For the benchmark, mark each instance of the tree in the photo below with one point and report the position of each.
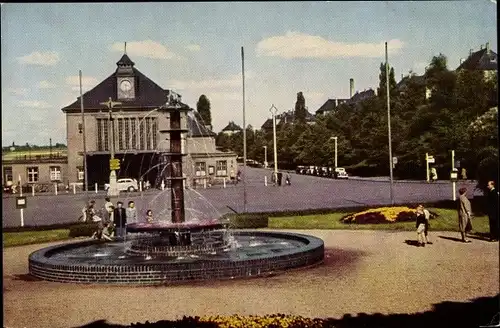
(382, 86)
(203, 108)
(300, 109)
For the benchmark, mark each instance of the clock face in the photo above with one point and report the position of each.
(125, 85)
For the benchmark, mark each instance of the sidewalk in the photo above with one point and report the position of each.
(364, 271)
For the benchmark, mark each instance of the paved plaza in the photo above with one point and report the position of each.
(364, 271)
(306, 192)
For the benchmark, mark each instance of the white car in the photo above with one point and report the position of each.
(340, 173)
(125, 184)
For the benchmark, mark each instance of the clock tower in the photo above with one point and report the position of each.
(125, 79)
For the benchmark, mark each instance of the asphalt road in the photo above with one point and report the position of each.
(305, 192)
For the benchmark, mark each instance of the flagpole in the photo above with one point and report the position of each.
(389, 120)
(244, 135)
(85, 181)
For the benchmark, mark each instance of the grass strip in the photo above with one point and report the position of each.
(447, 220)
(33, 237)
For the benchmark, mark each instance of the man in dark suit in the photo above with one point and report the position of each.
(493, 211)
(120, 219)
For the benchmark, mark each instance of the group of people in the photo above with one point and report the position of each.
(277, 178)
(112, 220)
(464, 217)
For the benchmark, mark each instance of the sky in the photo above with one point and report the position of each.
(195, 48)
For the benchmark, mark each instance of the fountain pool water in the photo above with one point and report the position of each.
(167, 252)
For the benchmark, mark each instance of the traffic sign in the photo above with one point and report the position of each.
(114, 164)
(394, 160)
(457, 163)
(430, 159)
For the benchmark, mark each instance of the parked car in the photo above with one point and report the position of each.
(340, 173)
(125, 184)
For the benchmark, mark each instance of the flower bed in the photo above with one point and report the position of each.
(381, 215)
(274, 320)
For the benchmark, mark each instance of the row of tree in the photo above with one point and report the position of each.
(441, 111)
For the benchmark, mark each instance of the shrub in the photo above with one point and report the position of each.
(56, 226)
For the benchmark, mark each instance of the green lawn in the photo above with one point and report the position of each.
(446, 221)
(33, 237)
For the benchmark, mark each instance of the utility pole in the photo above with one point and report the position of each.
(244, 135)
(265, 157)
(454, 184)
(113, 188)
(389, 119)
(85, 181)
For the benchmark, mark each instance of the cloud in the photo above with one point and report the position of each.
(147, 49)
(224, 96)
(48, 58)
(231, 81)
(193, 47)
(88, 82)
(46, 85)
(419, 67)
(33, 104)
(301, 45)
(18, 91)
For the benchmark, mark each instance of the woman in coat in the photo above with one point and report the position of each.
(464, 214)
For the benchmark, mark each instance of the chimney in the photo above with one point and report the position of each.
(488, 47)
(401, 76)
(351, 88)
(470, 52)
(481, 48)
(461, 61)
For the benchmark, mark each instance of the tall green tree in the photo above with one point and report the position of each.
(300, 109)
(203, 108)
(382, 85)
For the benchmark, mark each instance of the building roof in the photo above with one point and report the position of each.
(268, 124)
(330, 105)
(148, 94)
(360, 96)
(197, 129)
(232, 127)
(418, 79)
(484, 60)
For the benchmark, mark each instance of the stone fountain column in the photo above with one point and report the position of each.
(176, 178)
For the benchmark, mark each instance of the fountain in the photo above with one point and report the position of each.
(165, 252)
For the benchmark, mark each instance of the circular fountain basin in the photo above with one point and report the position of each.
(253, 253)
(165, 226)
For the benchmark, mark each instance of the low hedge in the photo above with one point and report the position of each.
(82, 229)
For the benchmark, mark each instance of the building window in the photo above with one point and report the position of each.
(120, 134)
(127, 133)
(105, 130)
(55, 173)
(221, 168)
(201, 169)
(148, 133)
(141, 134)
(7, 174)
(154, 132)
(99, 134)
(134, 133)
(80, 174)
(32, 174)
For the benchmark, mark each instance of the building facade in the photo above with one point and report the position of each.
(135, 128)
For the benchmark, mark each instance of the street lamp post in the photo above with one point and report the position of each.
(265, 157)
(335, 138)
(274, 111)
(113, 188)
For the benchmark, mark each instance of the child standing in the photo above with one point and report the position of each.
(421, 224)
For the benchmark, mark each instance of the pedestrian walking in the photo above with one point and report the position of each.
(464, 215)
(493, 211)
(434, 174)
(421, 223)
(120, 219)
(109, 207)
(149, 216)
(131, 212)
(287, 179)
(427, 224)
(464, 173)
